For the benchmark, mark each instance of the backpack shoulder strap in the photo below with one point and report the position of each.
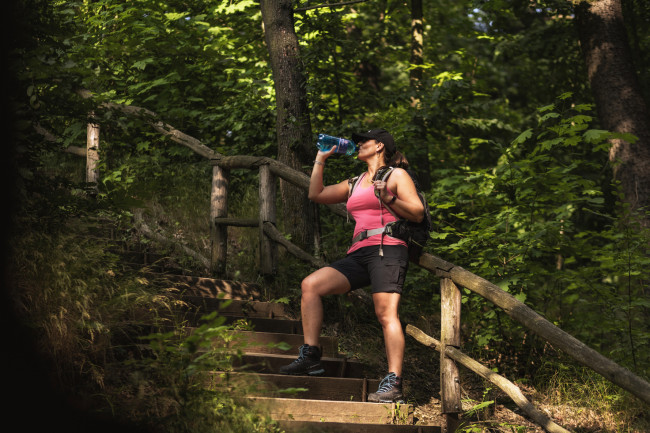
(387, 173)
(384, 177)
(352, 184)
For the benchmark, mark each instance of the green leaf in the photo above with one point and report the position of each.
(595, 135)
(174, 16)
(523, 136)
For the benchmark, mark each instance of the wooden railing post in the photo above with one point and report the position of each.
(268, 248)
(218, 209)
(92, 152)
(449, 336)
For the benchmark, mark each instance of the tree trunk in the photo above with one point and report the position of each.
(292, 123)
(617, 92)
(421, 148)
(417, 41)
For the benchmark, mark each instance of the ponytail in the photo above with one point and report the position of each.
(395, 159)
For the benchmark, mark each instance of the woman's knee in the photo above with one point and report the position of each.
(323, 282)
(386, 316)
(309, 285)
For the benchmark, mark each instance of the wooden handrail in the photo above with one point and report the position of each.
(542, 327)
(514, 308)
(279, 169)
(504, 384)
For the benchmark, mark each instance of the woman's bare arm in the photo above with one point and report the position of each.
(408, 205)
(320, 193)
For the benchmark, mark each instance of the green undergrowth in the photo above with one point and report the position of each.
(545, 224)
(113, 340)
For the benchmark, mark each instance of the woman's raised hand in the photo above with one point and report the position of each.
(323, 155)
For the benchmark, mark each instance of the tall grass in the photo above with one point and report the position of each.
(89, 313)
(586, 401)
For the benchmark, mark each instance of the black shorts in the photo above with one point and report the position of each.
(365, 267)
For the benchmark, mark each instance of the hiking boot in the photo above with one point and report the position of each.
(307, 364)
(389, 391)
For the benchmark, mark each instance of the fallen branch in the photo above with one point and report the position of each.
(504, 384)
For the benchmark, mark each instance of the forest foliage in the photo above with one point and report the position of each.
(502, 121)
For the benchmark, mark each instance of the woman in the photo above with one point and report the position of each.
(380, 261)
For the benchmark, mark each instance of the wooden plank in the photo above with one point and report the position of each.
(236, 307)
(335, 411)
(192, 317)
(313, 388)
(271, 363)
(261, 324)
(339, 427)
(260, 340)
(450, 301)
(215, 288)
(449, 336)
(139, 257)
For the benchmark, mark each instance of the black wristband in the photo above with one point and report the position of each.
(392, 200)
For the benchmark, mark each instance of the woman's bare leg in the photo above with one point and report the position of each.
(325, 281)
(386, 308)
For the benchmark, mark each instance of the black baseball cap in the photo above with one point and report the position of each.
(376, 134)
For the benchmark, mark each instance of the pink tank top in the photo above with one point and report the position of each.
(364, 207)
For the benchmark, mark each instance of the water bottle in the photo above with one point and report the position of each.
(326, 142)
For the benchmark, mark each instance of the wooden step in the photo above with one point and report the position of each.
(339, 427)
(271, 363)
(335, 411)
(241, 308)
(162, 267)
(311, 387)
(215, 288)
(193, 317)
(259, 342)
(261, 324)
(140, 257)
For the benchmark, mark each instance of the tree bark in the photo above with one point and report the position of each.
(292, 123)
(422, 165)
(618, 96)
(417, 41)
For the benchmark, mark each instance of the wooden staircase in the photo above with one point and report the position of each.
(334, 402)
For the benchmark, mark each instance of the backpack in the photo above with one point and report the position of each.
(414, 234)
